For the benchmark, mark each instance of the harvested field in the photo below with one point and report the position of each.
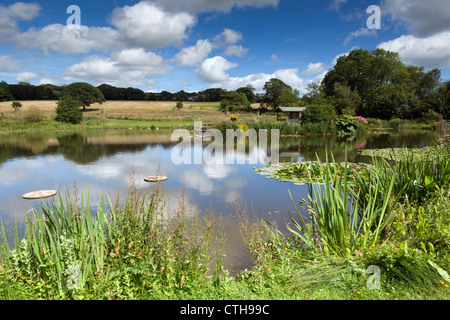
(161, 110)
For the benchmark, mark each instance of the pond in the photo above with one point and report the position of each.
(102, 163)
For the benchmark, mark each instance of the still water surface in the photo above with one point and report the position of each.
(100, 163)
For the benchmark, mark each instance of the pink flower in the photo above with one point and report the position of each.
(305, 172)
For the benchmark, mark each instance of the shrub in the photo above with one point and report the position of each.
(431, 116)
(16, 106)
(179, 105)
(34, 114)
(396, 123)
(319, 113)
(347, 124)
(68, 111)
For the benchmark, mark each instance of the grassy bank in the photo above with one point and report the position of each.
(164, 115)
(93, 122)
(394, 219)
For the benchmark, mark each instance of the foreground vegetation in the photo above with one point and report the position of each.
(394, 216)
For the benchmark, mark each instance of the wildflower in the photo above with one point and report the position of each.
(304, 172)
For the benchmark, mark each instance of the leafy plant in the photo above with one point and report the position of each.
(347, 125)
(336, 223)
(34, 114)
(68, 110)
(16, 105)
(179, 105)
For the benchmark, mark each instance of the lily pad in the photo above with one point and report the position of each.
(156, 179)
(428, 153)
(42, 194)
(302, 173)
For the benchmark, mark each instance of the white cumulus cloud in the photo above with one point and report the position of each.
(289, 76)
(9, 15)
(363, 32)
(315, 68)
(213, 69)
(229, 37)
(8, 64)
(147, 25)
(191, 56)
(236, 50)
(129, 67)
(430, 52)
(143, 25)
(26, 76)
(63, 39)
(199, 6)
(423, 18)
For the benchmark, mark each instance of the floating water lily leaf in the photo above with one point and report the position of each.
(302, 173)
(427, 153)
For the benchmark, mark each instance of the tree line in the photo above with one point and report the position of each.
(24, 91)
(375, 84)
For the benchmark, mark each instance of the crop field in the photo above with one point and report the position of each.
(161, 110)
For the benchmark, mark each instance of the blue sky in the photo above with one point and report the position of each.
(193, 45)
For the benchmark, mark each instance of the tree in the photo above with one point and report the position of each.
(4, 92)
(274, 89)
(364, 71)
(179, 105)
(84, 94)
(181, 95)
(212, 94)
(316, 113)
(440, 100)
(134, 94)
(249, 92)
(232, 101)
(166, 96)
(374, 75)
(347, 101)
(315, 93)
(68, 110)
(290, 98)
(16, 105)
(111, 92)
(423, 84)
(390, 101)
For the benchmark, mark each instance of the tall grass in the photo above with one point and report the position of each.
(336, 223)
(125, 250)
(285, 127)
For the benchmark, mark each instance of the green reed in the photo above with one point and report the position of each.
(131, 249)
(336, 222)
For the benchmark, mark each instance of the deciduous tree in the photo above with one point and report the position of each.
(84, 94)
